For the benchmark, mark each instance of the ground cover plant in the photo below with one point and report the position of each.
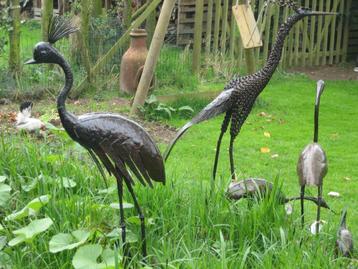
(56, 211)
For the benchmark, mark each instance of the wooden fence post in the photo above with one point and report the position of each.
(96, 8)
(209, 24)
(224, 27)
(217, 25)
(346, 30)
(153, 55)
(14, 34)
(47, 13)
(249, 54)
(198, 31)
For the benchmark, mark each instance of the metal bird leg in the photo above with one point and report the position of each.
(319, 208)
(302, 206)
(224, 126)
(231, 154)
(141, 217)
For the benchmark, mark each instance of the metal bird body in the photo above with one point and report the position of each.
(344, 243)
(240, 93)
(112, 140)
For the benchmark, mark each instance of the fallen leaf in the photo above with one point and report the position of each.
(334, 194)
(263, 114)
(265, 150)
(267, 134)
(77, 102)
(320, 225)
(347, 178)
(273, 156)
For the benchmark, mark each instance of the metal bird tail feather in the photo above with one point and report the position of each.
(219, 105)
(60, 27)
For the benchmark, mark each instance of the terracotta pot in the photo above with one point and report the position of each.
(133, 61)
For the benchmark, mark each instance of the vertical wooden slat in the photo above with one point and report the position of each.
(290, 48)
(217, 25)
(267, 33)
(284, 58)
(297, 42)
(209, 23)
(232, 36)
(327, 19)
(305, 35)
(259, 25)
(312, 34)
(224, 26)
(339, 33)
(346, 30)
(198, 33)
(276, 17)
(319, 34)
(333, 32)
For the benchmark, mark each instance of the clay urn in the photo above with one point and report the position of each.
(133, 61)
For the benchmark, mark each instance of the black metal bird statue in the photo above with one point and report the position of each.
(115, 141)
(240, 93)
(344, 243)
(312, 163)
(257, 187)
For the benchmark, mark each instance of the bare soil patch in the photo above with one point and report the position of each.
(328, 72)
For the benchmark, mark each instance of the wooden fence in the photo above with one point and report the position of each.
(318, 40)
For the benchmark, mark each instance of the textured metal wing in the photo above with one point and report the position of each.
(219, 105)
(119, 142)
(312, 165)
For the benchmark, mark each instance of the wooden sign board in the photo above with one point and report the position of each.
(250, 34)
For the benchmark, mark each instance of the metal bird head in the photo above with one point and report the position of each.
(303, 11)
(45, 52)
(319, 91)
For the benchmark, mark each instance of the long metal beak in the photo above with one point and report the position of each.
(321, 13)
(32, 61)
(319, 91)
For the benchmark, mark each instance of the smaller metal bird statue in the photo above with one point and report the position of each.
(312, 163)
(257, 187)
(344, 243)
(24, 121)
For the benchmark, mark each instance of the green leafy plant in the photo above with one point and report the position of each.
(4, 193)
(155, 110)
(28, 233)
(65, 241)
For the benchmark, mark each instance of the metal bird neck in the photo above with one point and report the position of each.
(61, 107)
(276, 51)
(316, 118)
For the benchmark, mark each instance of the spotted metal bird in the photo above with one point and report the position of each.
(112, 140)
(312, 163)
(344, 243)
(240, 93)
(258, 187)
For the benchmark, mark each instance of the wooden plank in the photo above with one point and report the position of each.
(346, 30)
(319, 34)
(224, 26)
(305, 39)
(217, 24)
(312, 34)
(297, 42)
(267, 33)
(284, 59)
(260, 25)
(290, 48)
(232, 37)
(325, 32)
(209, 24)
(249, 32)
(333, 31)
(198, 36)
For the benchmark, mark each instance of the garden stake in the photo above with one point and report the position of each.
(110, 138)
(312, 163)
(240, 93)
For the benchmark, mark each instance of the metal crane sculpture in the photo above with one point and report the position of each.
(240, 93)
(113, 141)
(344, 243)
(312, 163)
(253, 187)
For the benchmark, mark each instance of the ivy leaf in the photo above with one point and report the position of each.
(116, 233)
(2, 179)
(27, 233)
(32, 208)
(4, 194)
(125, 205)
(3, 241)
(66, 182)
(63, 241)
(87, 256)
(29, 185)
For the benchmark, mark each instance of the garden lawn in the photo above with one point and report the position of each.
(187, 225)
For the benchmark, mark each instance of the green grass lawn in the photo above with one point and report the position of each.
(189, 227)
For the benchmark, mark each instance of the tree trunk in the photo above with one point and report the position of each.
(85, 4)
(47, 13)
(153, 55)
(96, 8)
(14, 57)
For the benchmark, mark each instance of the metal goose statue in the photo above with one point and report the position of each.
(113, 141)
(312, 163)
(344, 243)
(240, 93)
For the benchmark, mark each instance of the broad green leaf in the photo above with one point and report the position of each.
(5, 261)
(26, 234)
(32, 208)
(3, 241)
(66, 182)
(63, 241)
(116, 233)
(86, 258)
(2, 179)
(135, 220)
(29, 185)
(4, 194)
(125, 205)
